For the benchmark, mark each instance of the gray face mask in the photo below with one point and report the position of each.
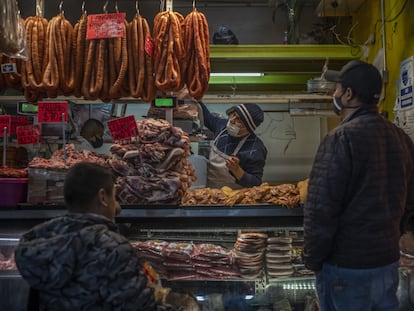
(233, 129)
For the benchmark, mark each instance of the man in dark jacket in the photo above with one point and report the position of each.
(361, 189)
(237, 156)
(80, 261)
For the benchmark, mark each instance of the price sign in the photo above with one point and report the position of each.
(123, 128)
(51, 112)
(5, 122)
(105, 26)
(149, 46)
(28, 134)
(8, 68)
(17, 121)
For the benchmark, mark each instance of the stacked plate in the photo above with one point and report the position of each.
(249, 250)
(279, 257)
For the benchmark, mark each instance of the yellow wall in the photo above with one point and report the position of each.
(399, 39)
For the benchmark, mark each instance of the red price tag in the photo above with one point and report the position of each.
(122, 128)
(28, 134)
(17, 121)
(5, 122)
(51, 112)
(105, 26)
(149, 46)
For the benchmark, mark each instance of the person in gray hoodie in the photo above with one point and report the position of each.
(80, 261)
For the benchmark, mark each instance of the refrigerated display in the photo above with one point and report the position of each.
(205, 228)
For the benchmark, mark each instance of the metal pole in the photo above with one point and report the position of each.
(63, 138)
(384, 47)
(4, 145)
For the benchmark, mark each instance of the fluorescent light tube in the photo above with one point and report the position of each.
(237, 74)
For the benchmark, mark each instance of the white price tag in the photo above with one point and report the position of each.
(8, 68)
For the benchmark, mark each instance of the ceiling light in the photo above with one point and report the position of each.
(237, 74)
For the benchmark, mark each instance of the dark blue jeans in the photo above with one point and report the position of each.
(343, 289)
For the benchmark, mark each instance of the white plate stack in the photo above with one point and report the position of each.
(279, 257)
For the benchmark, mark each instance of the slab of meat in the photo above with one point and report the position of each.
(153, 168)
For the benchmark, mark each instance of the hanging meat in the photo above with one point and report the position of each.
(106, 64)
(197, 45)
(37, 57)
(58, 76)
(117, 66)
(79, 50)
(140, 66)
(169, 52)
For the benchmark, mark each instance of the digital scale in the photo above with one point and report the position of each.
(27, 109)
(165, 102)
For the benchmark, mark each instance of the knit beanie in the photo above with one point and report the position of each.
(250, 114)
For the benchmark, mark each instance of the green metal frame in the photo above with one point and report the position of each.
(284, 67)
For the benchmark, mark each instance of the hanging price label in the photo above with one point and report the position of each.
(51, 112)
(122, 128)
(105, 26)
(28, 134)
(8, 68)
(5, 123)
(17, 121)
(149, 46)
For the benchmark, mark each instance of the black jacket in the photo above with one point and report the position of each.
(81, 262)
(361, 184)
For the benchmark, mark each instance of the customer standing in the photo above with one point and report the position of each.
(237, 156)
(361, 189)
(80, 261)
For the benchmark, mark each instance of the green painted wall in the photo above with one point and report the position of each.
(399, 39)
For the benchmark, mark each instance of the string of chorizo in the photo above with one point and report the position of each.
(118, 59)
(169, 52)
(148, 91)
(58, 77)
(33, 68)
(140, 66)
(136, 69)
(196, 41)
(79, 51)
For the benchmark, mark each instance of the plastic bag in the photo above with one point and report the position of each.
(12, 30)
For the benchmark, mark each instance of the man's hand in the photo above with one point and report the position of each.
(234, 167)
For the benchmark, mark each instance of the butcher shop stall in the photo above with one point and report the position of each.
(141, 67)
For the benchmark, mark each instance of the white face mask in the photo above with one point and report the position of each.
(337, 105)
(233, 129)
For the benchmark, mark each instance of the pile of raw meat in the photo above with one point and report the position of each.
(151, 168)
(154, 169)
(187, 261)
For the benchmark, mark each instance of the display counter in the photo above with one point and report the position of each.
(173, 216)
(216, 225)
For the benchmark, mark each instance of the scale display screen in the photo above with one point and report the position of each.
(26, 108)
(165, 102)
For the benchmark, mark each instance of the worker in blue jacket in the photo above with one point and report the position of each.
(237, 156)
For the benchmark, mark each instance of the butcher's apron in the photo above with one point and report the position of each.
(218, 174)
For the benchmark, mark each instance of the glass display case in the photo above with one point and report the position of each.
(14, 290)
(239, 258)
